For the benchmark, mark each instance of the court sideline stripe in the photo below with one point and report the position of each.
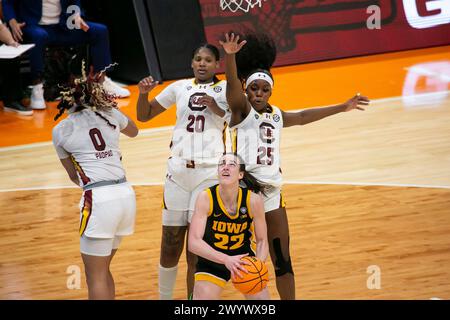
(288, 182)
(150, 131)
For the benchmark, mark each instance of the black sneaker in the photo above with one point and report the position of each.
(18, 108)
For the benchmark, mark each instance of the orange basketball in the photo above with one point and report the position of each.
(255, 280)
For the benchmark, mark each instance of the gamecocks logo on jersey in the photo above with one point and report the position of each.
(266, 132)
(193, 102)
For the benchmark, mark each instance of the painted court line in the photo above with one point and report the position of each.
(150, 131)
(290, 182)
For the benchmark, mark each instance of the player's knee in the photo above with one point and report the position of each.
(171, 251)
(98, 31)
(37, 35)
(201, 293)
(282, 265)
(93, 276)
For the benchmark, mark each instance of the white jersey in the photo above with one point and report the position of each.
(92, 143)
(199, 134)
(257, 141)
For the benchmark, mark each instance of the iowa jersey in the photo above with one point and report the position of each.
(230, 234)
(199, 133)
(257, 141)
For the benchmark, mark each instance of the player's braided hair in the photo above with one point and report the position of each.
(258, 54)
(86, 92)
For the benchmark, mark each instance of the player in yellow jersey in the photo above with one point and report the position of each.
(256, 131)
(228, 224)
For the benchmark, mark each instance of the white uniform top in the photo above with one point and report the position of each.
(199, 134)
(92, 143)
(257, 141)
(51, 12)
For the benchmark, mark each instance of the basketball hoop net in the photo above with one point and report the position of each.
(243, 5)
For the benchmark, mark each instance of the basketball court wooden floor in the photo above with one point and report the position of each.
(365, 190)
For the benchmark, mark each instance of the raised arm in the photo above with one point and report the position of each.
(147, 110)
(259, 221)
(236, 98)
(310, 115)
(199, 247)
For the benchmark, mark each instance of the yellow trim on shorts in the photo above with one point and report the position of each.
(203, 276)
(222, 206)
(86, 211)
(234, 140)
(282, 203)
(211, 202)
(224, 137)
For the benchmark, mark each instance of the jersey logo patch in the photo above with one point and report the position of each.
(193, 102)
(243, 210)
(266, 132)
(276, 118)
(217, 89)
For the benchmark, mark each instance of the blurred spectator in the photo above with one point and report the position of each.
(11, 86)
(55, 22)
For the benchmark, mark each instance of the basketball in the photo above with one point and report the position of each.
(255, 280)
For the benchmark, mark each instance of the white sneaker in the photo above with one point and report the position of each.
(37, 97)
(113, 88)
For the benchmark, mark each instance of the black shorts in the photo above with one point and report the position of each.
(216, 273)
(212, 272)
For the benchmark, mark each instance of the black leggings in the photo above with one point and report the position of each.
(278, 237)
(10, 79)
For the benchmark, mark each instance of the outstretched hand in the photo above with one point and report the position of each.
(231, 45)
(146, 85)
(357, 102)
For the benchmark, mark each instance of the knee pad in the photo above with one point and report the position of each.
(282, 266)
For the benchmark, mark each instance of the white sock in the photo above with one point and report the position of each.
(167, 277)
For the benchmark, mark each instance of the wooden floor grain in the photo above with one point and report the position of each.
(364, 190)
(337, 232)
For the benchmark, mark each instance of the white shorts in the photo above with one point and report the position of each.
(274, 200)
(107, 212)
(99, 247)
(181, 189)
